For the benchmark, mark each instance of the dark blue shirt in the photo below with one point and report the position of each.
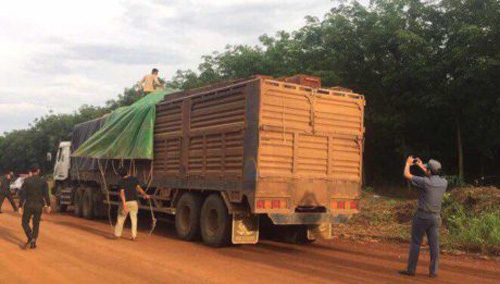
(129, 185)
(430, 195)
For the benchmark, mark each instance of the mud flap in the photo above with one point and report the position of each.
(245, 228)
(322, 231)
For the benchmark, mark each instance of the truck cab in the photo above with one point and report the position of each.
(62, 163)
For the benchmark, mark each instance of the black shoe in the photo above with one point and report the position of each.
(33, 245)
(433, 275)
(406, 272)
(28, 244)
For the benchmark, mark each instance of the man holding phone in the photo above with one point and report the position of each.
(427, 219)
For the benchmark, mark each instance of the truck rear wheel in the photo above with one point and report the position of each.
(77, 201)
(215, 222)
(87, 204)
(187, 216)
(98, 205)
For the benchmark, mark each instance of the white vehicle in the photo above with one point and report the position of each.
(16, 185)
(62, 163)
(61, 175)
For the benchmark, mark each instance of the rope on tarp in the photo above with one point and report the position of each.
(106, 191)
(108, 199)
(133, 170)
(312, 100)
(153, 218)
(113, 165)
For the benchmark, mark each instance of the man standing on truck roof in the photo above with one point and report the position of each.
(150, 82)
(128, 187)
(427, 220)
(34, 196)
(5, 190)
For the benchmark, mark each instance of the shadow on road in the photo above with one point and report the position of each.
(7, 235)
(84, 228)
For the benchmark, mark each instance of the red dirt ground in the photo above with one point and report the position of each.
(81, 251)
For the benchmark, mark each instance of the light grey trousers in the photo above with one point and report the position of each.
(132, 208)
(429, 227)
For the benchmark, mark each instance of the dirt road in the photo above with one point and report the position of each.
(81, 251)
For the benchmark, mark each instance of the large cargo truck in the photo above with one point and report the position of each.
(229, 156)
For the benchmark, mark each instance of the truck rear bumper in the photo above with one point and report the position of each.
(308, 218)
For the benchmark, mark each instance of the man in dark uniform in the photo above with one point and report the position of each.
(5, 191)
(34, 196)
(427, 220)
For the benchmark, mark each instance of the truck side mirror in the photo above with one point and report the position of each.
(49, 157)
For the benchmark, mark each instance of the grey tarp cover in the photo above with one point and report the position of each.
(80, 134)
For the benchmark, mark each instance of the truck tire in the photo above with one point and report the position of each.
(98, 207)
(77, 201)
(215, 222)
(56, 193)
(60, 207)
(187, 216)
(88, 204)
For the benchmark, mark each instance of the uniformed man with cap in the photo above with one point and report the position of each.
(427, 219)
(5, 190)
(34, 196)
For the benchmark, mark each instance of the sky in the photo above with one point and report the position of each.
(56, 55)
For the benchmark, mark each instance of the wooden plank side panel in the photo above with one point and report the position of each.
(312, 156)
(275, 153)
(286, 108)
(201, 134)
(216, 134)
(167, 150)
(310, 133)
(346, 158)
(338, 115)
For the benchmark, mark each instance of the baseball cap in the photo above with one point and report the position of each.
(434, 166)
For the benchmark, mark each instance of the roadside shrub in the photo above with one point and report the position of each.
(368, 189)
(473, 232)
(454, 181)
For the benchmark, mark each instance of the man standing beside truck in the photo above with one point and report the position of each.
(128, 188)
(427, 220)
(5, 191)
(34, 196)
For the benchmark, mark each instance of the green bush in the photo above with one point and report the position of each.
(454, 181)
(479, 232)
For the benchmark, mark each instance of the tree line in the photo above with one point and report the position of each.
(430, 72)
(19, 149)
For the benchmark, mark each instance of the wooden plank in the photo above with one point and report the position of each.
(295, 155)
(186, 119)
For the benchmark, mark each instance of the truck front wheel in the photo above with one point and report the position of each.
(98, 205)
(78, 202)
(60, 207)
(187, 216)
(88, 204)
(215, 222)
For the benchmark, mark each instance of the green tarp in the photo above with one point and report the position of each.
(127, 133)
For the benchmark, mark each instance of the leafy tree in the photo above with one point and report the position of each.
(429, 70)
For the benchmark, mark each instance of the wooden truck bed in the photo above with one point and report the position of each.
(282, 147)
